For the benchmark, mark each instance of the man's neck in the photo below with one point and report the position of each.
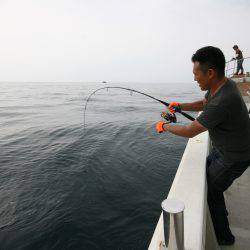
(217, 85)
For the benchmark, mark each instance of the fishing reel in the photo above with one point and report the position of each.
(168, 116)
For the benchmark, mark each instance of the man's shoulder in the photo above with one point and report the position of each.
(226, 95)
(231, 96)
(230, 88)
(230, 83)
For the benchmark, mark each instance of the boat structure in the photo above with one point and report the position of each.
(185, 221)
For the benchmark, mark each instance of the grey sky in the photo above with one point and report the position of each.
(129, 40)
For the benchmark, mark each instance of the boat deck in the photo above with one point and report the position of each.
(238, 205)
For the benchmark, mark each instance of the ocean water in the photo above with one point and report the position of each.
(62, 188)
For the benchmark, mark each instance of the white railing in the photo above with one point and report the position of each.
(189, 187)
(231, 66)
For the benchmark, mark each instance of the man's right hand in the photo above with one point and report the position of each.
(174, 107)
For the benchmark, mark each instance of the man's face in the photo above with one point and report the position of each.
(203, 79)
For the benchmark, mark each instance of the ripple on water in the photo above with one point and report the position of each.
(62, 188)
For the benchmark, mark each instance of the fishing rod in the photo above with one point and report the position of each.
(136, 91)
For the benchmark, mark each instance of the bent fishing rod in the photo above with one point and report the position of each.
(135, 91)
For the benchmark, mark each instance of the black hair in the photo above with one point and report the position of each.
(210, 58)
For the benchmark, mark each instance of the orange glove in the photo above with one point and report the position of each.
(159, 126)
(174, 107)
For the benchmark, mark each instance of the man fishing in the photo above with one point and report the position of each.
(226, 118)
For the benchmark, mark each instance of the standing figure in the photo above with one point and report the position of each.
(239, 58)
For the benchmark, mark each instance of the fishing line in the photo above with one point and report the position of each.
(131, 92)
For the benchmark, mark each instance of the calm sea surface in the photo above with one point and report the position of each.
(63, 189)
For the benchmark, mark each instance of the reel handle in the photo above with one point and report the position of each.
(169, 117)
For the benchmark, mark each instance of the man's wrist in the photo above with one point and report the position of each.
(165, 127)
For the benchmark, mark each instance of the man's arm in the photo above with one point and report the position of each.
(193, 106)
(188, 131)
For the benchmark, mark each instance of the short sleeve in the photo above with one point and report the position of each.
(212, 116)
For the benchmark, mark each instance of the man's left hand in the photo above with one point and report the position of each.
(159, 126)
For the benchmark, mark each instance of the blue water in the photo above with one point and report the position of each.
(63, 189)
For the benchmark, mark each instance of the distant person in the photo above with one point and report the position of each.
(230, 135)
(240, 59)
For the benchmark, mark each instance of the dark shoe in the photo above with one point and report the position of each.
(226, 242)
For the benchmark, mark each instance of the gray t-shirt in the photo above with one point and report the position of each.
(226, 117)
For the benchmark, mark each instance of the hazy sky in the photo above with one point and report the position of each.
(114, 40)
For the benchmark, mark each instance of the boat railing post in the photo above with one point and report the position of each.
(173, 219)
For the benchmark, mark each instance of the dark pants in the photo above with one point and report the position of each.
(220, 175)
(239, 66)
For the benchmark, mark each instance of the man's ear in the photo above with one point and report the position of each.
(211, 73)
